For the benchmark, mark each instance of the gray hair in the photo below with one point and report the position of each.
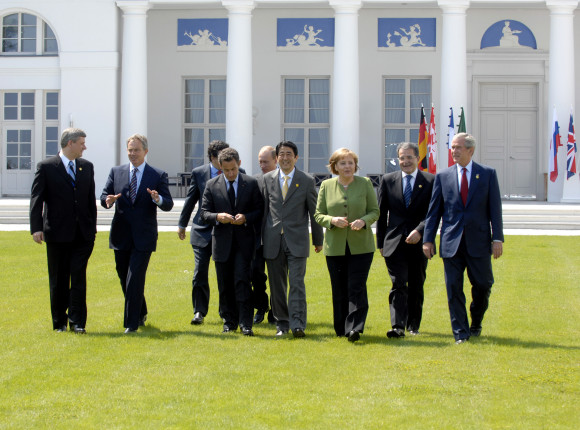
(141, 139)
(70, 134)
(408, 145)
(468, 139)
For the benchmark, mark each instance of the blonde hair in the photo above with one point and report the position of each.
(338, 155)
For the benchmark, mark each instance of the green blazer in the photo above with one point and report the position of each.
(358, 201)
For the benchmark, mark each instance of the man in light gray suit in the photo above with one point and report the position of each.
(289, 199)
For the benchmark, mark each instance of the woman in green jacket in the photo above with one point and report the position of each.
(347, 207)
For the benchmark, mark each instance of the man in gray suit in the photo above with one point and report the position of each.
(289, 199)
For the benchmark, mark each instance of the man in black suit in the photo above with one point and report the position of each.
(200, 236)
(467, 199)
(63, 213)
(403, 201)
(233, 205)
(138, 189)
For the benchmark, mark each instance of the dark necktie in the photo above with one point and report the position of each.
(408, 191)
(71, 172)
(464, 186)
(232, 195)
(133, 187)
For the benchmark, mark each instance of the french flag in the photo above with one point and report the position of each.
(554, 144)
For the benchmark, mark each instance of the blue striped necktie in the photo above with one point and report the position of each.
(71, 172)
(408, 191)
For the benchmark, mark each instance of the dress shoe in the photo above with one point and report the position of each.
(259, 317)
(396, 333)
(475, 331)
(246, 331)
(413, 331)
(60, 329)
(281, 333)
(197, 319)
(77, 329)
(130, 330)
(353, 336)
(142, 321)
(298, 333)
(460, 341)
(228, 329)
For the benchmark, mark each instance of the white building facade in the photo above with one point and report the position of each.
(324, 74)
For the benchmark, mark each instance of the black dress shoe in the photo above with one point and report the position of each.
(228, 329)
(475, 331)
(298, 333)
(460, 341)
(259, 317)
(396, 333)
(77, 329)
(197, 319)
(281, 333)
(60, 329)
(413, 331)
(130, 330)
(247, 331)
(353, 336)
(142, 321)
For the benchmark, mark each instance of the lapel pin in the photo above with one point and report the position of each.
(477, 176)
(80, 168)
(420, 186)
(297, 185)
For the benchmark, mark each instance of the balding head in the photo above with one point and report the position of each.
(267, 159)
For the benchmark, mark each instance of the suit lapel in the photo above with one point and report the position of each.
(474, 182)
(418, 187)
(398, 188)
(61, 168)
(223, 189)
(293, 186)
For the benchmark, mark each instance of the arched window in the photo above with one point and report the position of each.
(26, 34)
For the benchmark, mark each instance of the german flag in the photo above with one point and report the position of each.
(423, 138)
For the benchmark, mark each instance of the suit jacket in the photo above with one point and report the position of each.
(361, 204)
(135, 224)
(292, 214)
(200, 232)
(248, 202)
(56, 207)
(397, 220)
(480, 219)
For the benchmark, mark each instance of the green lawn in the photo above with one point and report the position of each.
(522, 373)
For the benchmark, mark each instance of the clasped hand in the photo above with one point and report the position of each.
(226, 218)
(342, 222)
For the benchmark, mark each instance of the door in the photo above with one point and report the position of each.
(18, 166)
(509, 136)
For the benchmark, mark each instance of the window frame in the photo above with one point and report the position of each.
(40, 39)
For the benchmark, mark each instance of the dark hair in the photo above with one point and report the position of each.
(288, 144)
(228, 154)
(215, 147)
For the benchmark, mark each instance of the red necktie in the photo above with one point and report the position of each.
(464, 186)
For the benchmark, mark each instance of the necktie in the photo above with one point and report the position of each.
(219, 172)
(232, 195)
(408, 190)
(464, 186)
(285, 187)
(71, 172)
(133, 186)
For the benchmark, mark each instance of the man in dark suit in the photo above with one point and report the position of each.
(138, 189)
(267, 160)
(63, 213)
(290, 202)
(467, 199)
(233, 205)
(403, 201)
(200, 236)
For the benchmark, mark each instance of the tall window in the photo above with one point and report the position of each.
(25, 34)
(51, 116)
(306, 120)
(402, 114)
(204, 117)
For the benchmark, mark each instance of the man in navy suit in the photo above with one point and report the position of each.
(232, 204)
(63, 214)
(138, 189)
(403, 201)
(466, 197)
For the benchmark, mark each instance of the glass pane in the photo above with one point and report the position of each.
(217, 116)
(12, 149)
(394, 135)
(414, 135)
(10, 99)
(295, 135)
(416, 116)
(217, 134)
(420, 86)
(12, 135)
(194, 135)
(318, 135)
(25, 149)
(28, 32)
(25, 135)
(217, 86)
(217, 101)
(10, 32)
(194, 86)
(28, 19)
(27, 113)
(294, 116)
(10, 113)
(11, 163)
(194, 101)
(27, 99)
(194, 150)
(300, 162)
(25, 163)
(51, 113)
(194, 116)
(319, 116)
(294, 101)
(395, 116)
(319, 86)
(10, 45)
(192, 163)
(10, 19)
(294, 86)
(48, 33)
(318, 165)
(52, 99)
(395, 101)
(319, 101)
(418, 99)
(318, 151)
(50, 45)
(391, 165)
(51, 147)
(28, 46)
(51, 133)
(395, 86)
(391, 150)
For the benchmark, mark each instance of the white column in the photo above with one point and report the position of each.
(345, 85)
(133, 71)
(239, 80)
(453, 69)
(561, 94)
